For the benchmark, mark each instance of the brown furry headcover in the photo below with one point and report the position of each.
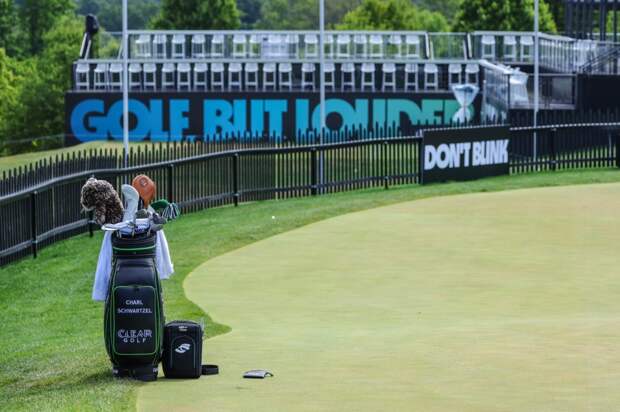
(100, 196)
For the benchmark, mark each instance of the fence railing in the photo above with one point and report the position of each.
(576, 146)
(68, 163)
(49, 211)
(42, 213)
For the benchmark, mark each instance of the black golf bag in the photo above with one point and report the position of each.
(134, 315)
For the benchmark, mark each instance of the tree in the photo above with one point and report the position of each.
(335, 10)
(289, 15)
(508, 15)
(109, 13)
(9, 86)
(557, 11)
(197, 14)
(40, 110)
(301, 14)
(392, 15)
(39, 16)
(447, 8)
(8, 27)
(14, 76)
(249, 11)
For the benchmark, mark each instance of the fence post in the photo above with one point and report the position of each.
(235, 166)
(313, 177)
(91, 215)
(33, 222)
(169, 177)
(552, 148)
(420, 153)
(618, 150)
(386, 179)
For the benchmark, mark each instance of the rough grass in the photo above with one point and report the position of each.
(10, 162)
(52, 355)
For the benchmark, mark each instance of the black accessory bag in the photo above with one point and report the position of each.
(182, 350)
(134, 317)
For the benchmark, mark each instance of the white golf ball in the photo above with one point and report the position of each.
(273, 217)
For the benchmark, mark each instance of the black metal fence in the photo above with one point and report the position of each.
(68, 163)
(525, 118)
(38, 212)
(45, 212)
(564, 147)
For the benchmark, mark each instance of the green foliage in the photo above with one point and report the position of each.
(45, 305)
(447, 8)
(109, 13)
(299, 14)
(392, 15)
(289, 15)
(509, 15)
(249, 11)
(39, 110)
(557, 11)
(39, 16)
(197, 15)
(8, 86)
(106, 46)
(9, 24)
(14, 77)
(62, 45)
(337, 9)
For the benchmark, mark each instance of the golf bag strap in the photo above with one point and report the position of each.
(210, 370)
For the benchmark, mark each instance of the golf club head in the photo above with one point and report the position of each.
(142, 214)
(158, 219)
(131, 198)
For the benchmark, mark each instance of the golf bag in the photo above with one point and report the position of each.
(134, 316)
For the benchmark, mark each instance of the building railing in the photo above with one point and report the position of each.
(152, 51)
(49, 211)
(284, 75)
(605, 62)
(506, 47)
(276, 44)
(507, 88)
(558, 52)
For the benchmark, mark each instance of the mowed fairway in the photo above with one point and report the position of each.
(503, 301)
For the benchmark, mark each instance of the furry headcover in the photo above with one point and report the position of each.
(100, 196)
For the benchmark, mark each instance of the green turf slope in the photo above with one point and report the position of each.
(52, 355)
(483, 302)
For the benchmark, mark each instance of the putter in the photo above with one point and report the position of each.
(257, 374)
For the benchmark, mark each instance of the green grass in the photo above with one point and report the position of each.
(51, 344)
(361, 158)
(477, 302)
(10, 162)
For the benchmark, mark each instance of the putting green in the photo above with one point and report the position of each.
(507, 301)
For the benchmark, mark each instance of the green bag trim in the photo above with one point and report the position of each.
(133, 249)
(110, 315)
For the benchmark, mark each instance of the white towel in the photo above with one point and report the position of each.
(163, 264)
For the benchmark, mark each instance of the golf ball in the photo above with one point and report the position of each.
(273, 217)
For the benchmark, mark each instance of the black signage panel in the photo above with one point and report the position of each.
(465, 154)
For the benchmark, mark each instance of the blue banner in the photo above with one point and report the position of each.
(203, 116)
